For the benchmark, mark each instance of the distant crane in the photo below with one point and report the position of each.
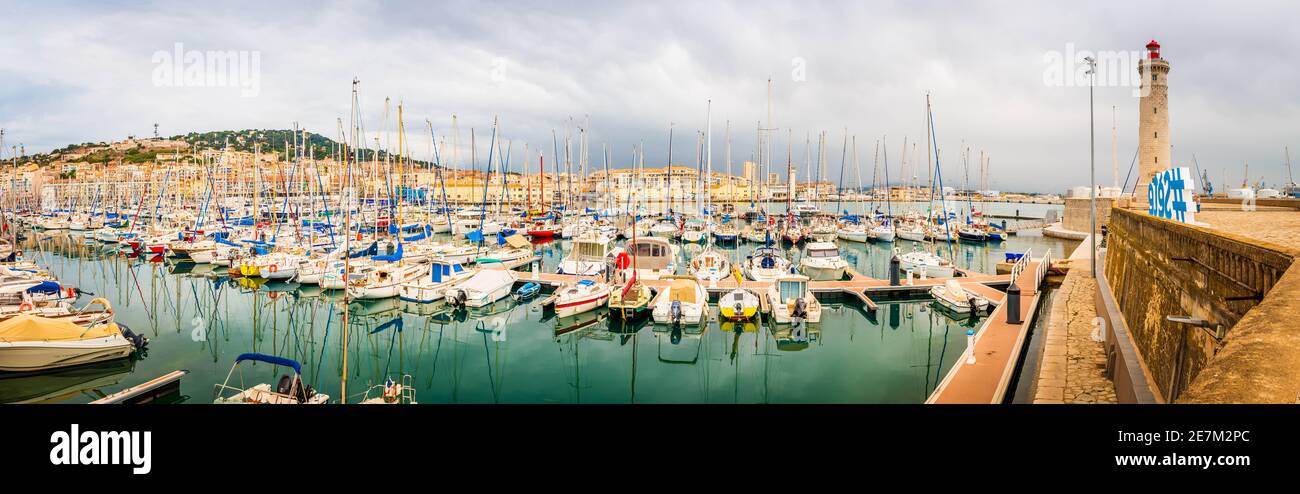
(155, 131)
(1205, 178)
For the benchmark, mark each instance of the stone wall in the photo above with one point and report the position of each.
(1157, 268)
(1077, 213)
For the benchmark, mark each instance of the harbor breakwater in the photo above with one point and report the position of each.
(1156, 268)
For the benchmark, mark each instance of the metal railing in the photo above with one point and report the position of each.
(1020, 264)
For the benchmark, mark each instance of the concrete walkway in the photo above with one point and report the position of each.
(1074, 364)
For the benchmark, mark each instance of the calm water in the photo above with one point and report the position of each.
(508, 353)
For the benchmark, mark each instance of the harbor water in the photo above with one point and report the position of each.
(199, 320)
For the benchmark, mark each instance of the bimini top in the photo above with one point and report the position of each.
(270, 359)
(36, 328)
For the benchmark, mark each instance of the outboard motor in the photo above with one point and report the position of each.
(459, 298)
(799, 313)
(675, 312)
(138, 341)
(740, 310)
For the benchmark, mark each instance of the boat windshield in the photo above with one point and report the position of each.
(823, 253)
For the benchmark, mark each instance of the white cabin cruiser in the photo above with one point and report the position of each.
(822, 261)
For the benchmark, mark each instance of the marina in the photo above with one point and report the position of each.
(198, 318)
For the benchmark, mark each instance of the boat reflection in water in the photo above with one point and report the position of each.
(62, 384)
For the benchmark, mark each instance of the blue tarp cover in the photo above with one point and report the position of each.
(270, 359)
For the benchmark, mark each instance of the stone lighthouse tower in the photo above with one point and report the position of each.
(1153, 124)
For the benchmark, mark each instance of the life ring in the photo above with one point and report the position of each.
(72, 292)
(272, 268)
(622, 261)
(25, 306)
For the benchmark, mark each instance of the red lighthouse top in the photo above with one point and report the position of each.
(1153, 49)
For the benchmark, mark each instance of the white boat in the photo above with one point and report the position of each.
(913, 232)
(386, 280)
(588, 255)
(738, 305)
(955, 298)
(765, 264)
(516, 248)
(792, 302)
(882, 233)
(582, 296)
(289, 390)
(821, 261)
(710, 265)
(665, 229)
(442, 275)
(806, 209)
(33, 343)
(483, 288)
(933, 266)
(684, 301)
(852, 232)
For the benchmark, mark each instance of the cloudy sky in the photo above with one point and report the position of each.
(76, 72)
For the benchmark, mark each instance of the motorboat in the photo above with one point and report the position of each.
(933, 265)
(289, 390)
(952, 296)
(588, 255)
(792, 302)
(738, 305)
(441, 276)
(821, 261)
(683, 301)
(655, 257)
(576, 298)
(33, 343)
(483, 288)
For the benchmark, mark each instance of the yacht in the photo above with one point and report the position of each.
(765, 264)
(933, 266)
(822, 262)
(588, 255)
(654, 258)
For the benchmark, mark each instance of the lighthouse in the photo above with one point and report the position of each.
(1153, 124)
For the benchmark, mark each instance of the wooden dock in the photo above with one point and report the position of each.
(147, 391)
(858, 286)
(998, 345)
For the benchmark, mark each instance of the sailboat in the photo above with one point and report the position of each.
(710, 265)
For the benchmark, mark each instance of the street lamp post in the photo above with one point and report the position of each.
(1092, 159)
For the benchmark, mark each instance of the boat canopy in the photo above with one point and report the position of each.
(270, 359)
(35, 328)
(683, 290)
(396, 256)
(517, 241)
